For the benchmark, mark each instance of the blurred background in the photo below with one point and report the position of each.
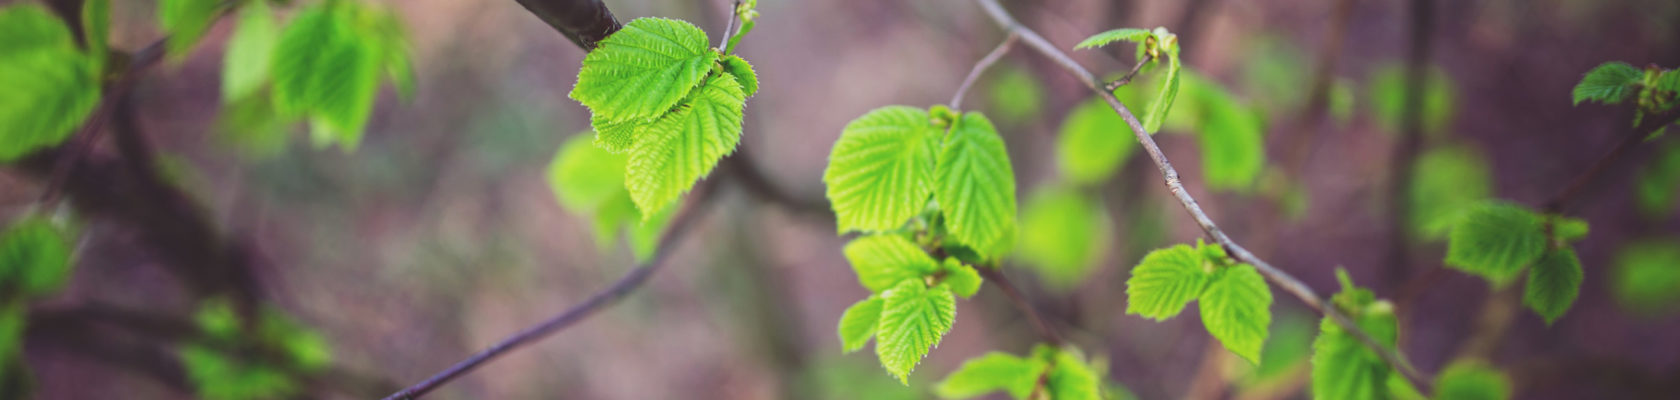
(440, 234)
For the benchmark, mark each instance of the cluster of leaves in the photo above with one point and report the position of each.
(1342, 366)
(915, 180)
(1048, 373)
(658, 93)
(35, 261)
(1235, 301)
(266, 358)
(1498, 241)
(325, 66)
(1655, 90)
(51, 84)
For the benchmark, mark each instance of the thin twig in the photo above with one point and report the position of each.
(596, 302)
(1285, 281)
(980, 67)
(729, 28)
(1124, 80)
(996, 277)
(1560, 201)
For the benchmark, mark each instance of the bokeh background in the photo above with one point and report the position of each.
(440, 235)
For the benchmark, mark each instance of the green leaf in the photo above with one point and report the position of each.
(1343, 368)
(683, 146)
(1553, 284)
(34, 257)
(1134, 35)
(1232, 138)
(327, 67)
(992, 372)
(616, 137)
(253, 127)
(1646, 278)
(646, 231)
(1608, 83)
(50, 85)
(913, 320)
(1157, 113)
(1015, 95)
(743, 72)
(1165, 281)
(880, 172)
(584, 177)
(13, 317)
(1094, 142)
(249, 52)
(185, 21)
(858, 323)
(1447, 182)
(1496, 240)
(1072, 379)
(219, 376)
(1063, 235)
(976, 185)
(1567, 229)
(1472, 380)
(1656, 190)
(1237, 310)
(963, 279)
(641, 71)
(96, 20)
(882, 261)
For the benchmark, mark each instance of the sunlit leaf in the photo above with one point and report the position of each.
(641, 71)
(249, 52)
(913, 320)
(880, 172)
(976, 185)
(992, 372)
(963, 279)
(882, 261)
(186, 21)
(858, 323)
(1134, 35)
(1608, 83)
(50, 85)
(1236, 308)
(682, 147)
(1165, 281)
(1496, 240)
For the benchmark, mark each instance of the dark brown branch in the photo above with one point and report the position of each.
(1127, 79)
(1560, 202)
(980, 68)
(1405, 152)
(993, 275)
(82, 140)
(596, 302)
(584, 22)
(1285, 281)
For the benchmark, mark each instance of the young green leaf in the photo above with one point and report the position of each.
(584, 177)
(993, 372)
(858, 323)
(249, 52)
(616, 137)
(1071, 379)
(34, 257)
(976, 185)
(1165, 281)
(1496, 240)
(880, 172)
(1656, 191)
(641, 71)
(743, 73)
(1231, 135)
(1472, 380)
(963, 279)
(914, 318)
(882, 261)
(683, 146)
(1447, 182)
(1567, 229)
(1608, 83)
(327, 67)
(50, 85)
(185, 21)
(1063, 235)
(1157, 113)
(1645, 277)
(1343, 368)
(1553, 284)
(1237, 310)
(1134, 35)
(1094, 141)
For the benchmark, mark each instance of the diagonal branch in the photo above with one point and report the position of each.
(1287, 282)
(980, 67)
(600, 300)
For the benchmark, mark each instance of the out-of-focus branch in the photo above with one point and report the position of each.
(584, 22)
(596, 302)
(1560, 202)
(1287, 282)
(1411, 140)
(980, 67)
(995, 276)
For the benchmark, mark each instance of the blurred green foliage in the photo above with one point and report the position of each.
(589, 182)
(1064, 235)
(50, 84)
(1387, 91)
(1446, 182)
(267, 358)
(1647, 275)
(1015, 95)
